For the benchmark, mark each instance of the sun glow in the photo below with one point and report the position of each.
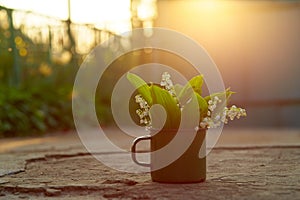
(209, 5)
(113, 15)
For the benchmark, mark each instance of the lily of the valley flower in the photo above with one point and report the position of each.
(167, 83)
(213, 118)
(143, 111)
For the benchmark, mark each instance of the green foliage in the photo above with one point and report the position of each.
(164, 98)
(29, 111)
(35, 93)
(142, 87)
(194, 84)
(155, 94)
(36, 80)
(203, 106)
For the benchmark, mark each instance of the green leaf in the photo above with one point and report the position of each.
(203, 106)
(194, 84)
(165, 99)
(178, 89)
(142, 87)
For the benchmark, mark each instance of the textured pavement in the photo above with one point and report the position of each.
(246, 164)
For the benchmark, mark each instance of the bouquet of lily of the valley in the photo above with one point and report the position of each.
(213, 109)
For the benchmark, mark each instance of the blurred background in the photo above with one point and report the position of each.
(255, 44)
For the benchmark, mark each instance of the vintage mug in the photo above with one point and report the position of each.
(189, 167)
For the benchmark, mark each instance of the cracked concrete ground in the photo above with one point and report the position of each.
(246, 164)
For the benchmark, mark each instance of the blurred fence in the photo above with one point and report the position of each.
(32, 43)
(39, 59)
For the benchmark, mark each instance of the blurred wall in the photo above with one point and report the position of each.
(256, 46)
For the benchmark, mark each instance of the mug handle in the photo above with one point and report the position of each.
(133, 150)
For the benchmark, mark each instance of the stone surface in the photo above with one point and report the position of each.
(268, 170)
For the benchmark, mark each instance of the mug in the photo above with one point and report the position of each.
(187, 168)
